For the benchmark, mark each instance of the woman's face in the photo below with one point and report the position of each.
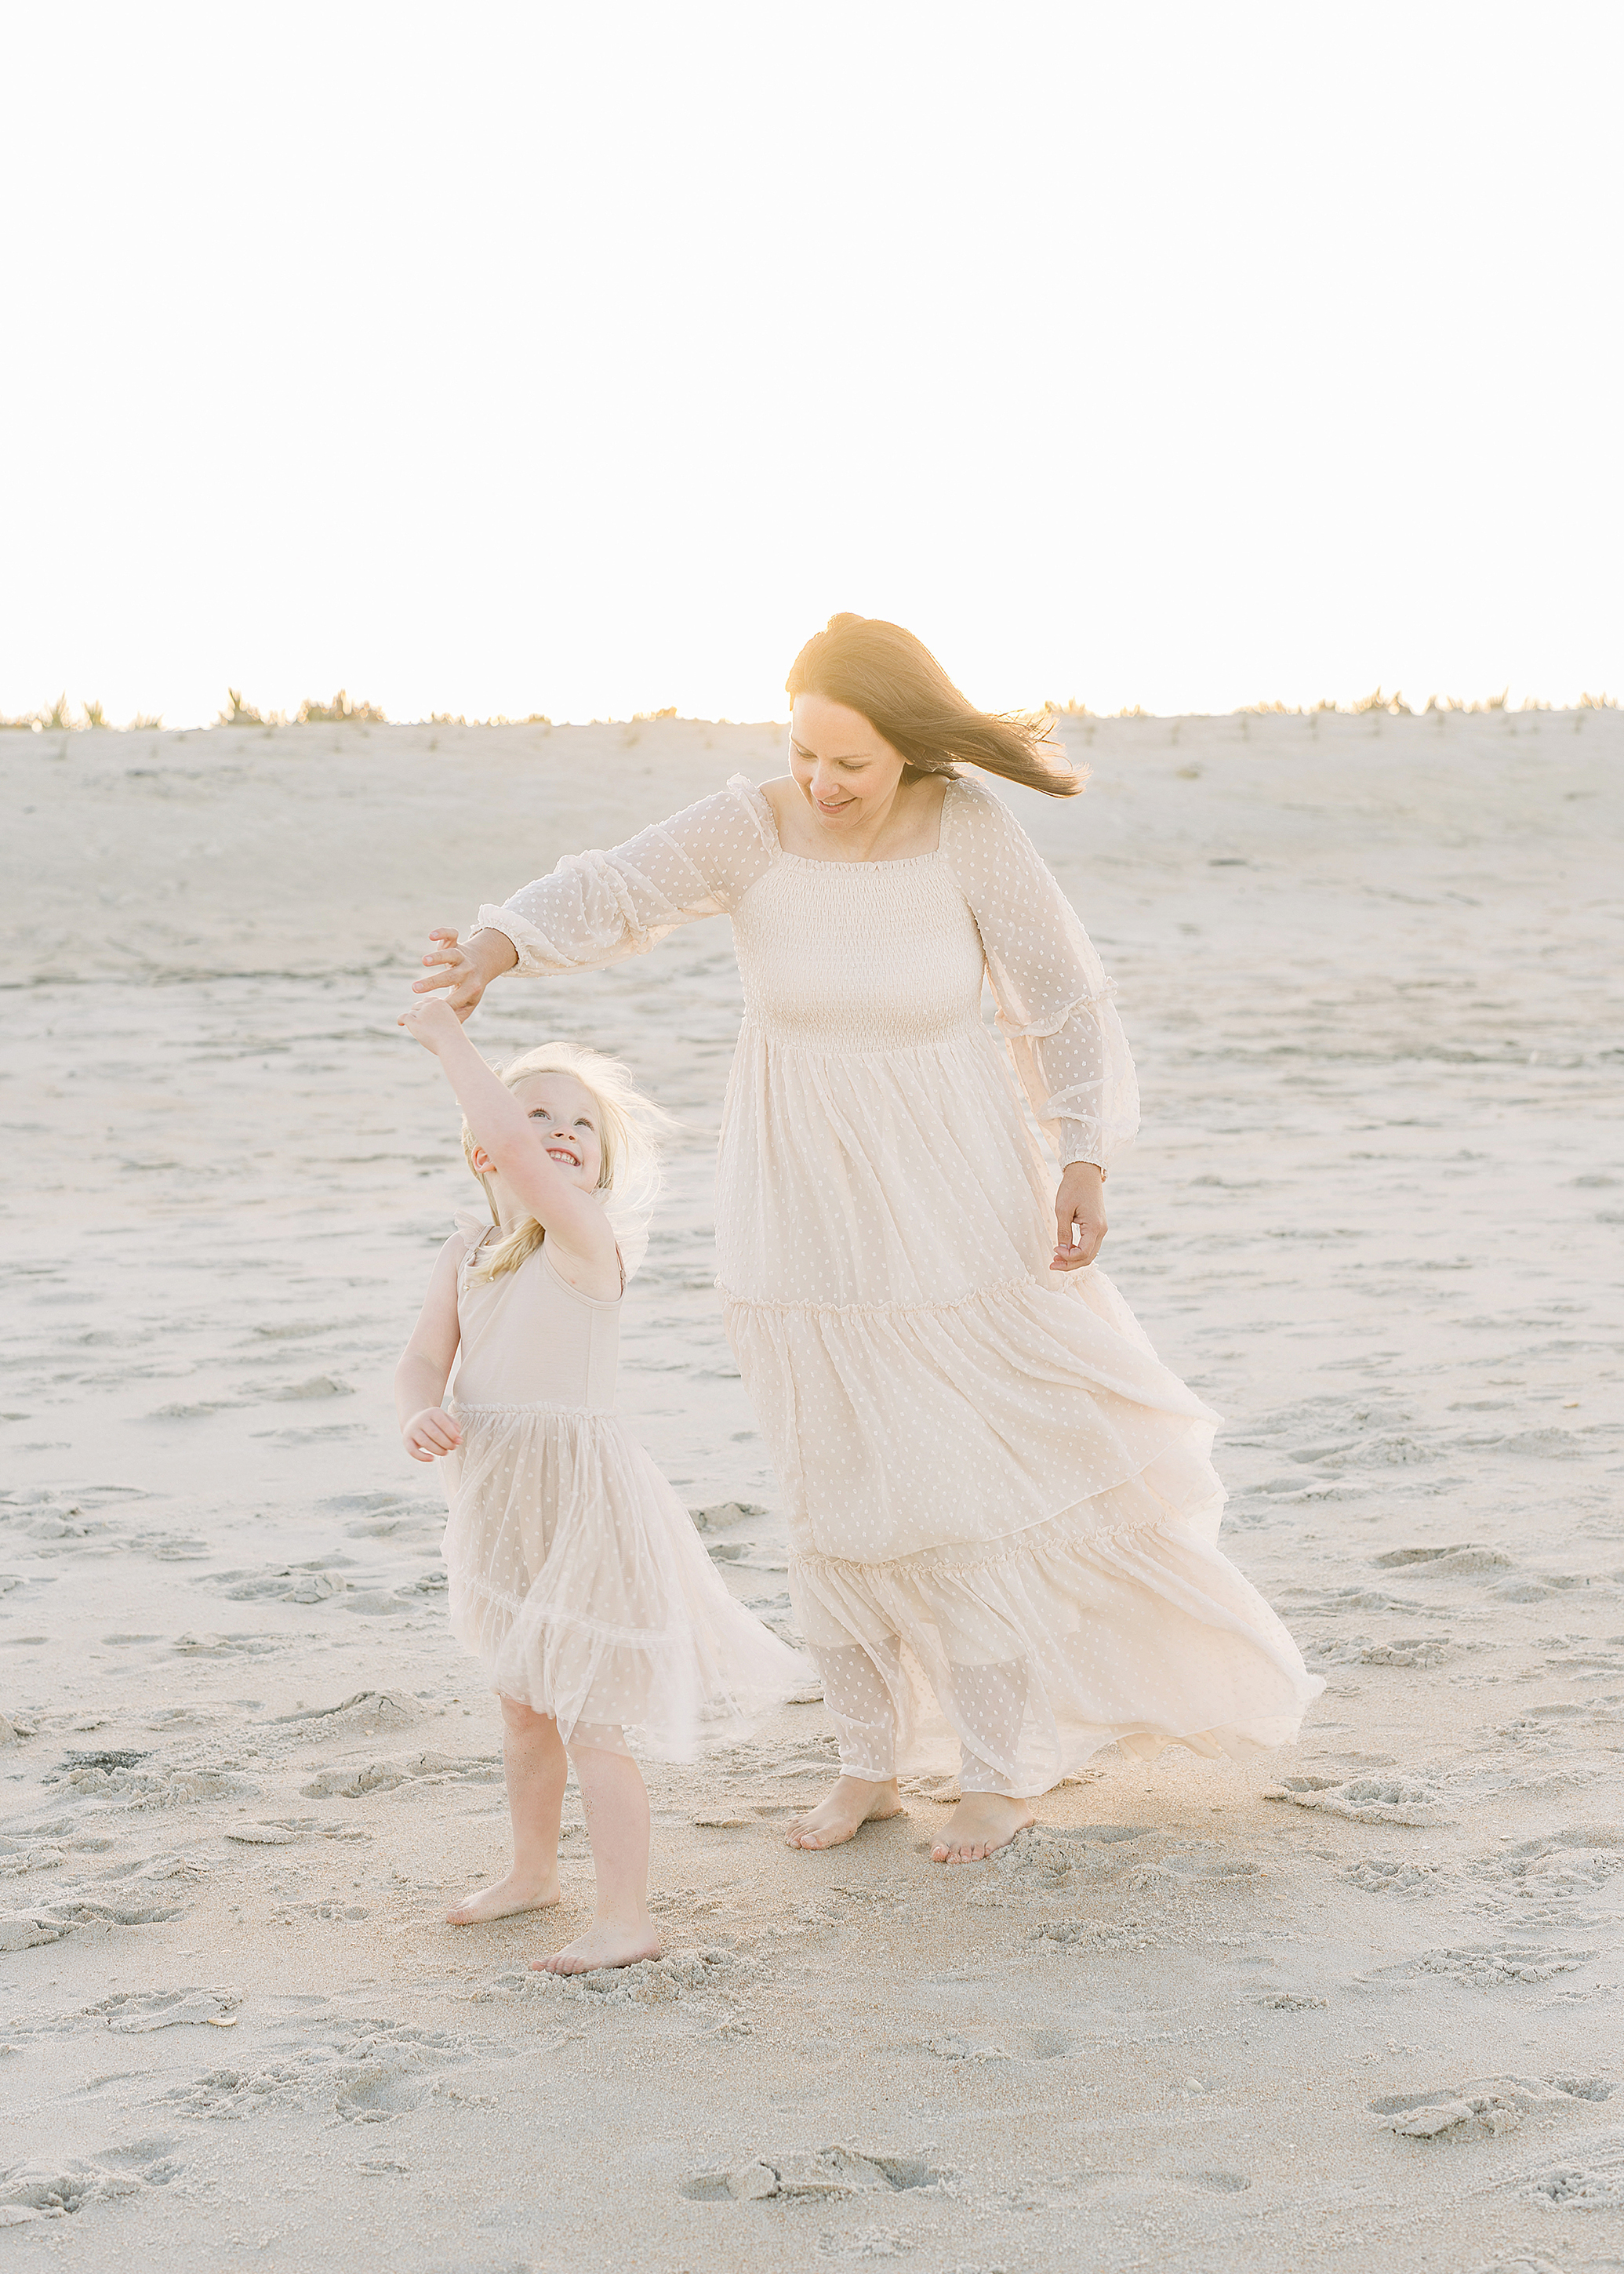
(846, 771)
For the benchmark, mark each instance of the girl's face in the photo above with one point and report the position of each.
(569, 1127)
(846, 771)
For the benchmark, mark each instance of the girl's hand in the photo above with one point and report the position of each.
(430, 1434)
(434, 1023)
(466, 968)
(1081, 1202)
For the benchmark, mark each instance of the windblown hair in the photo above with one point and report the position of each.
(630, 1176)
(897, 684)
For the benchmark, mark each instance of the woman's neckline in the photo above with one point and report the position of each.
(816, 861)
(829, 860)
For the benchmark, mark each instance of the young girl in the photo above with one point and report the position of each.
(575, 1572)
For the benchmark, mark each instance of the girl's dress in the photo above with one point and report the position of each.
(994, 1489)
(576, 1573)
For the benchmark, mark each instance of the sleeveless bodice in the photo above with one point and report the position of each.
(858, 955)
(530, 1338)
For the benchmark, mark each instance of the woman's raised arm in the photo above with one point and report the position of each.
(597, 908)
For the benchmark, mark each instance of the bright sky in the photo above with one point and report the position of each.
(583, 359)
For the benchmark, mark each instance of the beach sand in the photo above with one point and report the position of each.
(1358, 2005)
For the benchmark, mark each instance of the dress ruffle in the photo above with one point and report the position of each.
(578, 1579)
(1080, 1598)
(894, 1427)
(1118, 1621)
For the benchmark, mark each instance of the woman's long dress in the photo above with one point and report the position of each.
(994, 1489)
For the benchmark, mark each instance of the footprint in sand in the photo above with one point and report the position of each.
(352, 1780)
(655, 1981)
(1422, 1650)
(314, 1582)
(1465, 1559)
(1485, 1965)
(950, 2048)
(18, 1857)
(363, 1714)
(136, 2013)
(230, 1646)
(1366, 1800)
(34, 2191)
(1394, 1875)
(1570, 1863)
(368, 2074)
(837, 2173)
(1574, 2187)
(1485, 2104)
(30, 1930)
(141, 1787)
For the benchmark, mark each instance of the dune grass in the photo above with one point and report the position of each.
(339, 711)
(1395, 705)
(342, 710)
(311, 712)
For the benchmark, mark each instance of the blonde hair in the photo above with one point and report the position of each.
(630, 1178)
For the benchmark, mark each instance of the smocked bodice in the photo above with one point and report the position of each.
(866, 955)
(858, 955)
(530, 1338)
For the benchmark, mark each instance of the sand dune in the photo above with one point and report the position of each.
(1358, 2008)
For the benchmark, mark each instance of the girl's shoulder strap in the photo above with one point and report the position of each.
(474, 1229)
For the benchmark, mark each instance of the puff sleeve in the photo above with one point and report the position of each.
(1054, 1001)
(598, 908)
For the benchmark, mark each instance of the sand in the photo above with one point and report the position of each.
(1357, 2006)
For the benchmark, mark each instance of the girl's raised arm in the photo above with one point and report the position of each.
(572, 1218)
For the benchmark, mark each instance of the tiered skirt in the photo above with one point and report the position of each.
(992, 1487)
(578, 1579)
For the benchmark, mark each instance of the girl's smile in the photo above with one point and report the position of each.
(565, 1117)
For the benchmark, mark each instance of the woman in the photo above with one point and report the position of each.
(995, 1491)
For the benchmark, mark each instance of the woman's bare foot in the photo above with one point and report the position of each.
(606, 1942)
(853, 1803)
(981, 1823)
(504, 1899)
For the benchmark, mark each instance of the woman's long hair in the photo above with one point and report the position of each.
(897, 684)
(629, 1178)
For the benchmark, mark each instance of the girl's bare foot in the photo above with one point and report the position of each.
(853, 1803)
(504, 1899)
(981, 1823)
(606, 1942)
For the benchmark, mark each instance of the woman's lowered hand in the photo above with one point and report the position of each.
(1079, 1203)
(465, 968)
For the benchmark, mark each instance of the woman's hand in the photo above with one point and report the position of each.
(430, 1434)
(1081, 1202)
(465, 968)
(433, 1024)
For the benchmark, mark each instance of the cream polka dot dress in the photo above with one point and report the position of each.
(575, 1572)
(996, 1495)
